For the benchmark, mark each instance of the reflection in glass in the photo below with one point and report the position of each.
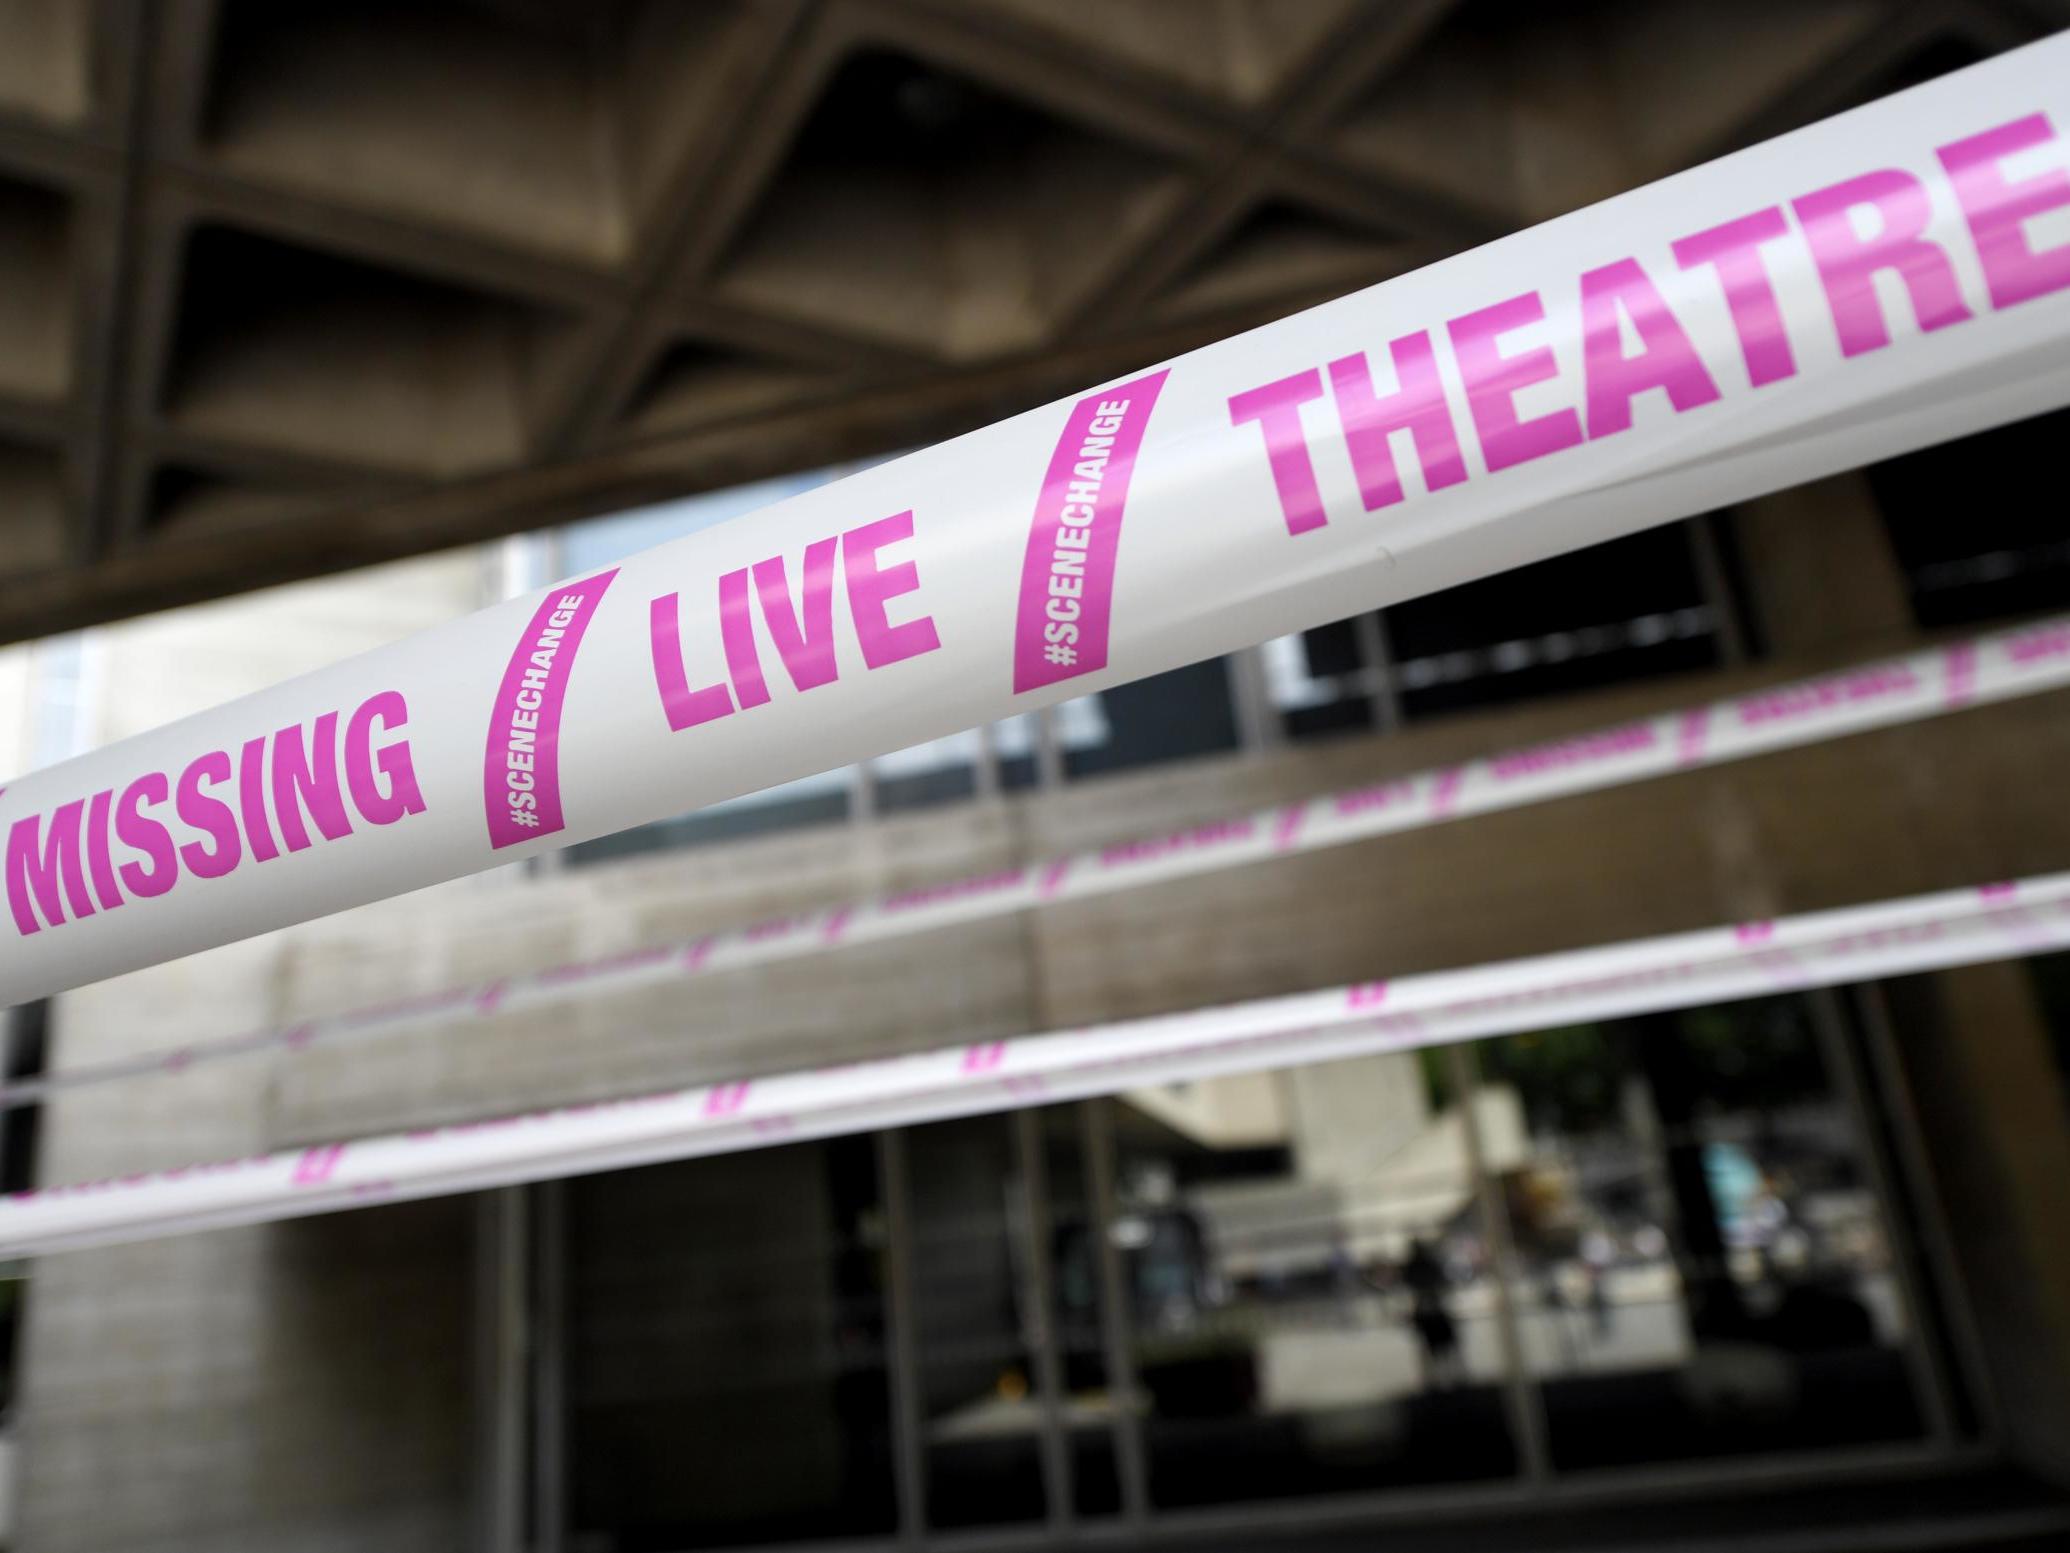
(1249, 1287)
(1703, 1266)
(1310, 1294)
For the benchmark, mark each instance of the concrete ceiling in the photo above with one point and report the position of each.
(292, 287)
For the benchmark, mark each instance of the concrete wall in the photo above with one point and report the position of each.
(300, 1387)
(295, 1388)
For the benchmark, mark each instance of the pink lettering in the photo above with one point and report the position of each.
(318, 1164)
(684, 707)
(959, 889)
(1220, 833)
(1493, 380)
(137, 831)
(726, 1099)
(2043, 642)
(308, 775)
(98, 862)
(1848, 262)
(1574, 752)
(1997, 209)
(1276, 408)
(1418, 406)
(383, 783)
(737, 636)
(804, 638)
(1666, 359)
(1802, 700)
(1734, 252)
(1384, 795)
(45, 873)
(872, 585)
(211, 816)
(251, 800)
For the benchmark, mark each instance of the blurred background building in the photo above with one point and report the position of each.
(287, 290)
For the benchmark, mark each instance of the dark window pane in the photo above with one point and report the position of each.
(1333, 649)
(1077, 1312)
(726, 1351)
(1320, 682)
(1017, 772)
(980, 1413)
(2051, 974)
(24, 1030)
(1975, 526)
(922, 789)
(939, 771)
(817, 800)
(1630, 609)
(1347, 714)
(1170, 716)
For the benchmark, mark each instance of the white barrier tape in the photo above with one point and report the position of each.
(1974, 672)
(1897, 275)
(1715, 965)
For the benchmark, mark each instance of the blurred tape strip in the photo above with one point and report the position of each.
(1961, 927)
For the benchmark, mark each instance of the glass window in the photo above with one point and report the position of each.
(1074, 726)
(1173, 716)
(939, 771)
(727, 1374)
(822, 799)
(981, 1417)
(1626, 610)
(1328, 680)
(1687, 1260)
(1078, 1311)
(995, 1235)
(1630, 609)
(1703, 1267)
(1310, 1293)
(1968, 557)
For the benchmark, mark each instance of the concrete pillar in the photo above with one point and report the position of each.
(1825, 579)
(1995, 1121)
